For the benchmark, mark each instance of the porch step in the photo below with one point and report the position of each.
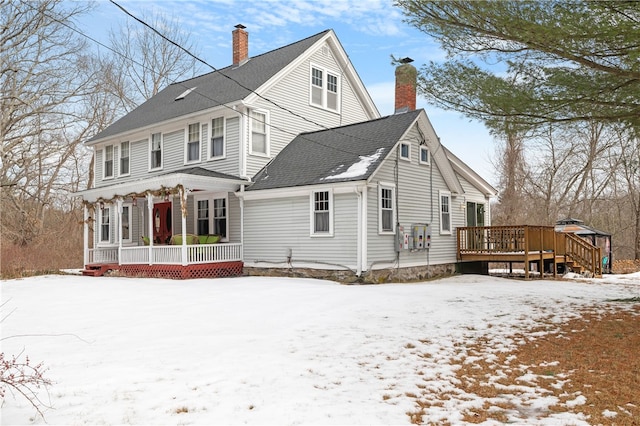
(96, 270)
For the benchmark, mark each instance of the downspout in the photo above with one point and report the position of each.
(365, 221)
(359, 234)
(242, 223)
(397, 206)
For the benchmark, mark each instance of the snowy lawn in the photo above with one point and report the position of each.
(270, 350)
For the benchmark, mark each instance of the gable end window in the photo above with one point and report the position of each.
(386, 212)
(405, 151)
(259, 133)
(322, 213)
(217, 138)
(425, 157)
(108, 162)
(124, 158)
(156, 151)
(445, 212)
(193, 143)
(324, 88)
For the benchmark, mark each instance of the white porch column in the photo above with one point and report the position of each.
(364, 224)
(85, 235)
(150, 230)
(242, 224)
(118, 228)
(183, 209)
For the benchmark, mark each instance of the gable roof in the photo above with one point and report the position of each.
(340, 154)
(216, 88)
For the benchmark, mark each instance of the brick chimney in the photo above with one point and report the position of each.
(406, 81)
(240, 45)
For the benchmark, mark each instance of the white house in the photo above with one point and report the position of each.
(285, 159)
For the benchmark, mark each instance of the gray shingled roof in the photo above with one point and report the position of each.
(199, 171)
(212, 89)
(340, 154)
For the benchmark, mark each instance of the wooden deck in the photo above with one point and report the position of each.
(529, 245)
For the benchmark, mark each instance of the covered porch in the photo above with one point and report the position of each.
(183, 224)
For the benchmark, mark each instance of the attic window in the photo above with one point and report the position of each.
(185, 93)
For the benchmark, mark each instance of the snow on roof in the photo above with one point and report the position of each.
(357, 169)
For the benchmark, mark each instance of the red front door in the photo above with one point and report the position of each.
(161, 223)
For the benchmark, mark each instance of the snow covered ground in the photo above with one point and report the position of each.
(268, 350)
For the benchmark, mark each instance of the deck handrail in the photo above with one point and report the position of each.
(583, 253)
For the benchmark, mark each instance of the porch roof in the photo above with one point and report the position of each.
(194, 179)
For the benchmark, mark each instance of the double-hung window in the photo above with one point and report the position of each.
(193, 143)
(126, 223)
(203, 217)
(220, 217)
(325, 88)
(105, 215)
(156, 151)
(124, 158)
(217, 137)
(445, 212)
(259, 135)
(321, 213)
(386, 214)
(108, 162)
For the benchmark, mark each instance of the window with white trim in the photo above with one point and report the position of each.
(212, 215)
(202, 221)
(475, 214)
(125, 154)
(220, 217)
(104, 218)
(259, 133)
(126, 223)
(325, 87)
(322, 213)
(405, 151)
(445, 212)
(386, 213)
(156, 151)
(217, 138)
(425, 155)
(193, 143)
(107, 171)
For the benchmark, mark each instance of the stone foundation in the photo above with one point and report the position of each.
(380, 276)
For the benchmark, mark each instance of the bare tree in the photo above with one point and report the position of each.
(146, 62)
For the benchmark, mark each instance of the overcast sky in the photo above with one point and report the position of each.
(370, 31)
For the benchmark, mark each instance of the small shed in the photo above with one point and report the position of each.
(597, 238)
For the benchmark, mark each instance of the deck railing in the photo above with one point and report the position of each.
(532, 242)
(167, 255)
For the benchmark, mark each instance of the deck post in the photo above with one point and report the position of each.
(526, 252)
(541, 262)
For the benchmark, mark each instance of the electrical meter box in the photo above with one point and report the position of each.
(421, 236)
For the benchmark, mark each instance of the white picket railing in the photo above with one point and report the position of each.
(168, 255)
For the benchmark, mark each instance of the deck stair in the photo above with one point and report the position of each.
(540, 245)
(96, 270)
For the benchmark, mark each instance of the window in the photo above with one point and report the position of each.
(321, 210)
(104, 225)
(124, 158)
(193, 143)
(475, 214)
(324, 88)
(126, 223)
(220, 217)
(445, 212)
(203, 217)
(386, 213)
(108, 162)
(217, 137)
(212, 215)
(259, 143)
(156, 151)
(425, 158)
(405, 151)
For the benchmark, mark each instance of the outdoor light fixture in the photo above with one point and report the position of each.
(101, 205)
(135, 201)
(166, 197)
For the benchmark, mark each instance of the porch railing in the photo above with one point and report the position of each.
(167, 255)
